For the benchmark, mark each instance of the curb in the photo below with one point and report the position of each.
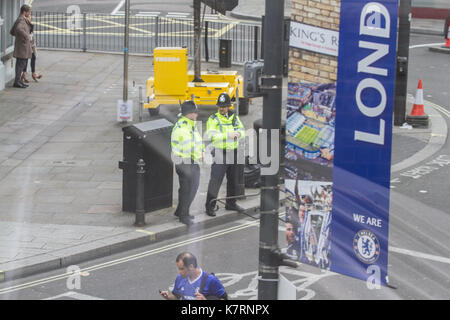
(243, 16)
(442, 49)
(437, 140)
(430, 32)
(114, 244)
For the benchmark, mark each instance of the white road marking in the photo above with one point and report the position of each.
(423, 170)
(427, 45)
(74, 295)
(441, 109)
(396, 180)
(419, 255)
(148, 14)
(116, 9)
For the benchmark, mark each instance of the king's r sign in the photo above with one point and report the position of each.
(364, 103)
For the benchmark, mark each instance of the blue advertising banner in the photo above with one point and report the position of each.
(362, 164)
(338, 149)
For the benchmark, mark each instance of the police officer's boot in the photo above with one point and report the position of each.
(210, 206)
(232, 205)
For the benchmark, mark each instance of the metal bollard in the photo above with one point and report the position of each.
(141, 104)
(140, 199)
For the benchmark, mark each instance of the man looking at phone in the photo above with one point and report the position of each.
(192, 283)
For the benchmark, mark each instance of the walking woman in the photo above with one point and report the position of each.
(33, 56)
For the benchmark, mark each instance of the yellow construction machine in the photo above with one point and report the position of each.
(173, 82)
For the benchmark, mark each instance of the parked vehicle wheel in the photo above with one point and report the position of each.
(154, 112)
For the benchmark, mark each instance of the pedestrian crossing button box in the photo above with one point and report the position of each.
(149, 141)
(252, 78)
(224, 53)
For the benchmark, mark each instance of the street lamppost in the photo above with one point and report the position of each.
(125, 51)
(272, 81)
(401, 80)
(197, 43)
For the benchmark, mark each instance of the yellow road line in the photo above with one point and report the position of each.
(225, 29)
(106, 34)
(52, 27)
(123, 26)
(151, 234)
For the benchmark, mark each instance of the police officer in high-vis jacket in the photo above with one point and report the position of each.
(224, 129)
(187, 153)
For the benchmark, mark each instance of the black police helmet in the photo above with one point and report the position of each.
(188, 107)
(224, 100)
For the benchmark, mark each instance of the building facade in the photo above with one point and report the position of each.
(307, 65)
(9, 11)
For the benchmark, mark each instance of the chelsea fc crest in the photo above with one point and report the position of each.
(366, 246)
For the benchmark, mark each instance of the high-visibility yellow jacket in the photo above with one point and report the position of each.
(186, 140)
(218, 127)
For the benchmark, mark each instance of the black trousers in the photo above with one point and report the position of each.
(20, 65)
(33, 64)
(189, 177)
(218, 172)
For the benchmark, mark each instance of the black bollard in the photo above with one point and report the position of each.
(140, 199)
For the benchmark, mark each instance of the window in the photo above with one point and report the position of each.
(9, 10)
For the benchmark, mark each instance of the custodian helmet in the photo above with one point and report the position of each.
(224, 100)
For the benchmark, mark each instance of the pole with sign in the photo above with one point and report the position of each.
(125, 107)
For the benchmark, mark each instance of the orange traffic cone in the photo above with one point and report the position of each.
(447, 42)
(417, 109)
(418, 118)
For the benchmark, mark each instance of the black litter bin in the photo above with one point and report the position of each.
(225, 53)
(149, 141)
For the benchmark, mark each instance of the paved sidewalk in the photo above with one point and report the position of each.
(60, 186)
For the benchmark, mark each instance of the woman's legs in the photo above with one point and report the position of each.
(24, 72)
(33, 63)
(33, 68)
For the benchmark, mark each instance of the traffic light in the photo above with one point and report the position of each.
(221, 5)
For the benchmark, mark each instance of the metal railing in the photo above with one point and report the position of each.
(104, 32)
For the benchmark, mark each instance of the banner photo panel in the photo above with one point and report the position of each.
(338, 138)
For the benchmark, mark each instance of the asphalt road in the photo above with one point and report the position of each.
(432, 68)
(102, 29)
(111, 6)
(429, 187)
(231, 252)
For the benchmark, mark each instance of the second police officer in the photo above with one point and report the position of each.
(187, 152)
(224, 129)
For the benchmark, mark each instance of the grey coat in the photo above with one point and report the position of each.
(22, 43)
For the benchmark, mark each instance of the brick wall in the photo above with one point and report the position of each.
(309, 66)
